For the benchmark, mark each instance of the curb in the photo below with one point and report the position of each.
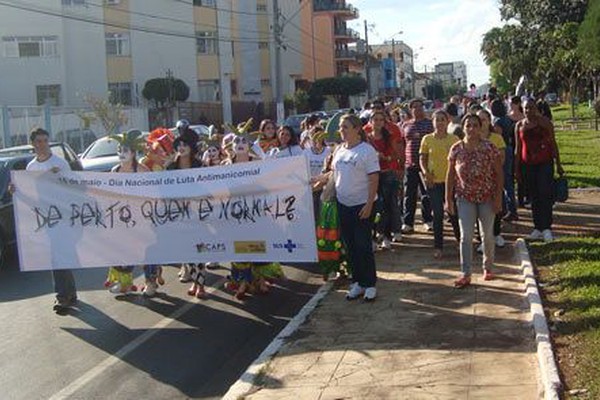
(245, 382)
(549, 372)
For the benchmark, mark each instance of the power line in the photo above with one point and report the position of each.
(153, 16)
(54, 13)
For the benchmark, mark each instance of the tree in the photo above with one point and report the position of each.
(341, 88)
(588, 43)
(165, 91)
(110, 114)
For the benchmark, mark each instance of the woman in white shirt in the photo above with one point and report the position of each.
(356, 173)
(288, 144)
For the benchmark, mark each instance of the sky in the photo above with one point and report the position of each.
(438, 31)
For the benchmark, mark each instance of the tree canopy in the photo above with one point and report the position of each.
(165, 91)
(340, 87)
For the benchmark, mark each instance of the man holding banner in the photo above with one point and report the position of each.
(64, 283)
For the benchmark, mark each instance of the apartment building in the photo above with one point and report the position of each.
(56, 51)
(326, 38)
(398, 64)
(452, 73)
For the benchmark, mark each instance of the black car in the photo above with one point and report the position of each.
(16, 159)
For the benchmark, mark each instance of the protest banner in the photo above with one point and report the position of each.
(259, 211)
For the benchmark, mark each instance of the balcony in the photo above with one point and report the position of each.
(345, 55)
(347, 34)
(340, 8)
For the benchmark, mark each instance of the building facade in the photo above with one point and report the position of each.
(452, 74)
(399, 58)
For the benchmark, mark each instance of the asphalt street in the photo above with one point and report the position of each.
(172, 346)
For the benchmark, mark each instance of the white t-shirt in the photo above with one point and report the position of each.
(287, 152)
(316, 161)
(351, 168)
(53, 161)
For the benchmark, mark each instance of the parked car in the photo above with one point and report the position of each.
(201, 130)
(60, 149)
(78, 139)
(101, 155)
(16, 159)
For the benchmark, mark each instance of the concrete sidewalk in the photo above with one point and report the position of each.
(421, 338)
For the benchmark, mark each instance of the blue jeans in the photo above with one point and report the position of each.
(64, 285)
(388, 194)
(510, 203)
(413, 184)
(539, 183)
(437, 194)
(468, 214)
(356, 236)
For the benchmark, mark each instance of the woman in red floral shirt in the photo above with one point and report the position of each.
(475, 178)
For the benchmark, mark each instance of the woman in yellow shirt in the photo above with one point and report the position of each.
(433, 160)
(488, 132)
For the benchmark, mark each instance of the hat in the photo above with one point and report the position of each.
(182, 123)
(132, 139)
(188, 137)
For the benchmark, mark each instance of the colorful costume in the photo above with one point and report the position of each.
(120, 280)
(159, 150)
(329, 243)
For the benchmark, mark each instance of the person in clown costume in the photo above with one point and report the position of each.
(120, 279)
(159, 149)
(267, 136)
(247, 277)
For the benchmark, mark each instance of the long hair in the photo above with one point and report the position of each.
(384, 132)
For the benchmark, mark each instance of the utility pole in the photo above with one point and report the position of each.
(367, 67)
(395, 75)
(170, 98)
(278, 79)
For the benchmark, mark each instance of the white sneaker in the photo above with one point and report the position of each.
(500, 242)
(375, 246)
(370, 294)
(428, 226)
(407, 229)
(185, 274)
(396, 237)
(547, 234)
(536, 235)
(355, 291)
(480, 248)
(386, 244)
(150, 289)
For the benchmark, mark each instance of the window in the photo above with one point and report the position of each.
(261, 8)
(263, 45)
(120, 92)
(206, 42)
(208, 90)
(112, 2)
(234, 90)
(48, 94)
(205, 3)
(117, 44)
(265, 82)
(73, 2)
(30, 46)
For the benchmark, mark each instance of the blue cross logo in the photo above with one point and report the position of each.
(290, 246)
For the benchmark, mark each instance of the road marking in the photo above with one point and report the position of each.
(93, 373)
(245, 382)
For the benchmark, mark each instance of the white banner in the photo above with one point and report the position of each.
(258, 211)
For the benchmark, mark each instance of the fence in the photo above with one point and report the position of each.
(63, 123)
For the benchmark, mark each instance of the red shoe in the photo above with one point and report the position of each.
(192, 291)
(200, 293)
(462, 282)
(488, 275)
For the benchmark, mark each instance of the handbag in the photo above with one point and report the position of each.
(561, 189)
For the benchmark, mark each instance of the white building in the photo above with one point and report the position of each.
(452, 73)
(56, 51)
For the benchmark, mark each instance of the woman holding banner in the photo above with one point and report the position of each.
(355, 169)
(186, 146)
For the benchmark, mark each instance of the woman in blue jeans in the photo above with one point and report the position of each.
(537, 152)
(475, 177)
(355, 168)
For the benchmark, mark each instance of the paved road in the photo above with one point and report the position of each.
(169, 347)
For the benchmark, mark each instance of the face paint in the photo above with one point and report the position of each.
(213, 153)
(240, 145)
(125, 154)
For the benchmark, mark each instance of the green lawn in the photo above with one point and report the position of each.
(569, 273)
(563, 112)
(580, 156)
